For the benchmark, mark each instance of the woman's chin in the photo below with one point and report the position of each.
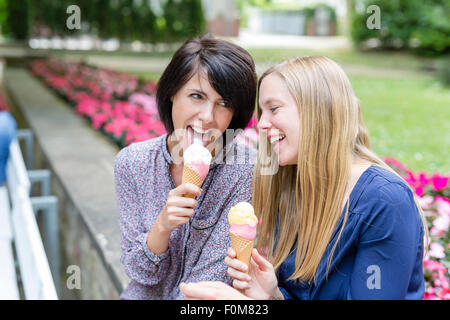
(286, 160)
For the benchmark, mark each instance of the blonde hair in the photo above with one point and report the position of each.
(331, 133)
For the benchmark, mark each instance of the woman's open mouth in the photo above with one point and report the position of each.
(277, 141)
(199, 134)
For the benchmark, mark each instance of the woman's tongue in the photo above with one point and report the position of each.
(191, 135)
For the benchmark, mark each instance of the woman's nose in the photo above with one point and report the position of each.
(206, 115)
(263, 124)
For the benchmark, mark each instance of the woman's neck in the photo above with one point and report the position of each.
(357, 168)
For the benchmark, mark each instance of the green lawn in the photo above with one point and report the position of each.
(408, 119)
(376, 59)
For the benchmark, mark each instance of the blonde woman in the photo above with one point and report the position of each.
(338, 223)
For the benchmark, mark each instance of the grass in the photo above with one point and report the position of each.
(408, 119)
(375, 59)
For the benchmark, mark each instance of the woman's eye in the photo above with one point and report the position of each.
(195, 96)
(223, 104)
(273, 109)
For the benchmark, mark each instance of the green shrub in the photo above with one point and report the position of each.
(126, 20)
(433, 32)
(421, 25)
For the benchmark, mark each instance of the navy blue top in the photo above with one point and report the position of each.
(379, 254)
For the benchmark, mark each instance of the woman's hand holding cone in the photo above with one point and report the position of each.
(258, 281)
(178, 209)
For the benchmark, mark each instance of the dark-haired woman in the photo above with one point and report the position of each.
(208, 89)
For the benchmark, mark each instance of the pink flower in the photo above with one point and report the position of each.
(87, 106)
(157, 127)
(437, 232)
(433, 265)
(423, 180)
(441, 198)
(146, 101)
(443, 207)
(98, 120)
(426, 202)
(118, 125)
(439, 182)
(444, 294)
(430, 294)
(137, 133)
(436, 250)
(420, 191)
(410, 178)
(442, 223)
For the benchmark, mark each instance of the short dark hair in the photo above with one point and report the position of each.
(230, 70)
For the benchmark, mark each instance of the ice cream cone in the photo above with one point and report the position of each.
(243, 248)
(191, 176)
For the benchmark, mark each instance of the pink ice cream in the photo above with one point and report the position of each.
(243, 221)
(201, 168)
(198, 158)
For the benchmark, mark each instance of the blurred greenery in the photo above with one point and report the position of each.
(421, 25)
(123, 19)
(15, 18)
(444, 70)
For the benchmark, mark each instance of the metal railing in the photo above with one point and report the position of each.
(40, 279)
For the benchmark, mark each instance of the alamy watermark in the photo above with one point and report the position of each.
(374, 21)
(73, 22)
(74, 280)
(374, 280)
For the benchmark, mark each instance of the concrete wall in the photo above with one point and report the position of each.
(81, 162)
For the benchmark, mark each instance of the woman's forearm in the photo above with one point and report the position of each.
(158, 238)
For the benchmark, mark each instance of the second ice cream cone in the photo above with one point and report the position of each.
(243, 248)
(191, 176)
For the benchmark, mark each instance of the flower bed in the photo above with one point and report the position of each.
(120, 105)
(124, 108)
(433, 192)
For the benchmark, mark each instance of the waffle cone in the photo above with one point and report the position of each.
(191, 176)
(243, 248)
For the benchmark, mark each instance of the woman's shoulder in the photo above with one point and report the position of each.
(381, 187)
(386, 208)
